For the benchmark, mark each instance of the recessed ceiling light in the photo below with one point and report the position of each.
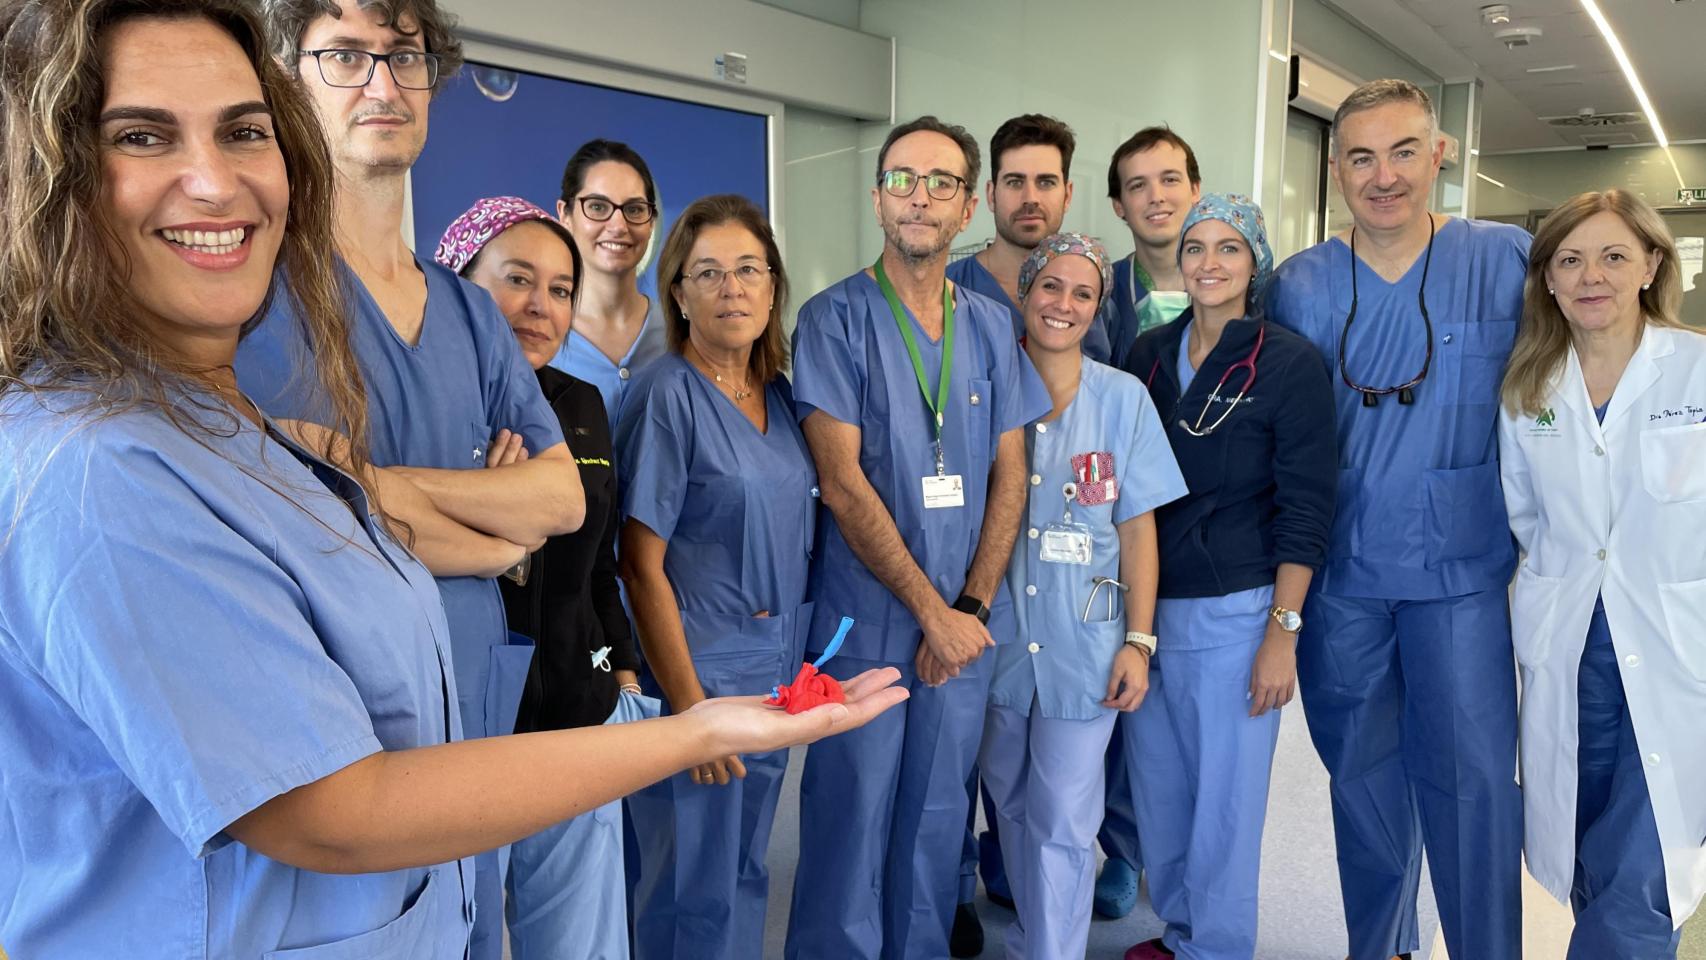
(1496, 14)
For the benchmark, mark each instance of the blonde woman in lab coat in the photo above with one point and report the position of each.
(1603, 454)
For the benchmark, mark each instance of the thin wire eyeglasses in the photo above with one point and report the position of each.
(710, 279)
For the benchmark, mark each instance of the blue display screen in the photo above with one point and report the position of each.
(496, 132)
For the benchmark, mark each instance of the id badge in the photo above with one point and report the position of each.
(1066, 543)
(948, 491)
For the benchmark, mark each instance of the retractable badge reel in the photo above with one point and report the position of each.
(1066, 541)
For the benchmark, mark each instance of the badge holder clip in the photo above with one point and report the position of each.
(1066, 541)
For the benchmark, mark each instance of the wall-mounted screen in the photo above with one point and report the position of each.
(496, 131)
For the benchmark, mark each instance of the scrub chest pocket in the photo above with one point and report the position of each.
(1469, 362)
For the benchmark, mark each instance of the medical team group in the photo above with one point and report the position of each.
(360, 604)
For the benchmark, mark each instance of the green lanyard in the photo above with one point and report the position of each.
(940, 402)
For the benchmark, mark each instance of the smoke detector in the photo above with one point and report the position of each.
(1513, 37)
(1496, 14)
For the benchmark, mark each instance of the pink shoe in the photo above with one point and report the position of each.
(1149, 950)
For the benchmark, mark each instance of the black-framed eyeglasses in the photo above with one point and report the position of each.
(599, 209)
(710, 279)
(410, 69)
(903, 183)
(1406, 390)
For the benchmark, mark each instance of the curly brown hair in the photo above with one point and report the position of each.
(67, 315)
(286, 20)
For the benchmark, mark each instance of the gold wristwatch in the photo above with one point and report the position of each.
(1289, 620)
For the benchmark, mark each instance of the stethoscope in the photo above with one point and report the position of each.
(1248, 365)
(1405, 391)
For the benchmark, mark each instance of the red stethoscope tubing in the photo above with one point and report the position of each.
(1247, 364)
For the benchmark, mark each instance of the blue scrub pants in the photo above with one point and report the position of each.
(566, 893)
(1199, 767)
(703, 883)
(973, 856)
(1118, 835)
(1045, 776)
(493, 715)
(1621, 905)
(882, 823)
(1412, 708)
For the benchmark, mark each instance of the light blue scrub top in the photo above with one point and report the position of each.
(435, 404)
(1419, 514)
(1230, 618)
(851, 363)
(580, 359)
(1060, 659)
(737, 507)
(190, 627)
(969, 272)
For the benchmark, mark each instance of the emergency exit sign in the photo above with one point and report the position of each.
(1691, 195)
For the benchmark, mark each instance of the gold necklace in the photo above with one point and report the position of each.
(740, 392)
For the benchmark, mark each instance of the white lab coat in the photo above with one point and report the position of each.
(1617, 509)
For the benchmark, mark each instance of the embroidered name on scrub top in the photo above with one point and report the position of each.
(943, 489)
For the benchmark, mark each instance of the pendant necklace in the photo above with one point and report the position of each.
(740, 393)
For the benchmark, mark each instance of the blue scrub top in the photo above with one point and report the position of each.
(435, 404)
(1420, 514)
(615, 380)
(969, 272)
(190, 627)
(737, 507)
(851, 363)
(1067, 671)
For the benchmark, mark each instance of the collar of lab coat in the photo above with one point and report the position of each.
(1639, 376)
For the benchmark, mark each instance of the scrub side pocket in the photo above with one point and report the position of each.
(1457, 513)
(414, 935)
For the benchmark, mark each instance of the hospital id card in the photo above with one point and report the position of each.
(948, 491)
(1066, 543)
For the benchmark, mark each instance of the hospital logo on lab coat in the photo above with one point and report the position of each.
(1545, 425)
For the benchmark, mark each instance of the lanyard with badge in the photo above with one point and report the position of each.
(944, 489)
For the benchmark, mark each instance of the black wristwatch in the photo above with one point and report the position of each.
(972, 605)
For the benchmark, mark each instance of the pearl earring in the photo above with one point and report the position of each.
(1646, 286)
(1551, 291)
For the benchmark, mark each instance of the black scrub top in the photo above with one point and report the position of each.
(570, 605)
